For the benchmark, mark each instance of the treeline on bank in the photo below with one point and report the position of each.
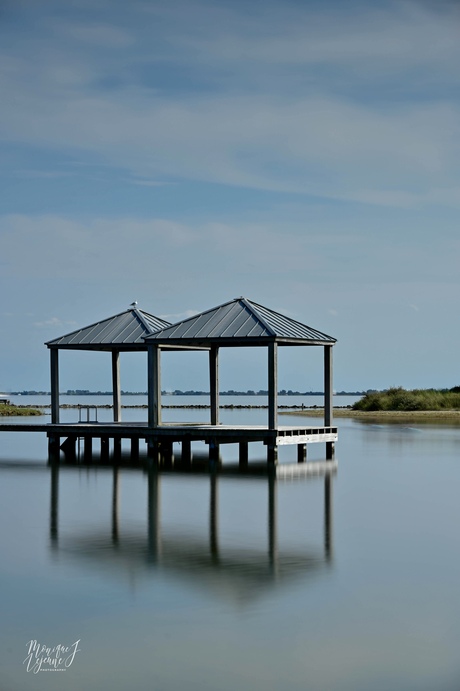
(398, 398)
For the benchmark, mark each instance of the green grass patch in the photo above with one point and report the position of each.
(397, 398)
(8, 410)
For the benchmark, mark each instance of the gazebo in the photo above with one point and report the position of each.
(237, 323)
(123, 332)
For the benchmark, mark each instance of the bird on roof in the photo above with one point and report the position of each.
(133, 305)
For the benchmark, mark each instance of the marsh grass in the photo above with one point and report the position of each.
(8, 410)
(400, 399)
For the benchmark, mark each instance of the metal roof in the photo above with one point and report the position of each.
(124, 331)
(239, 322)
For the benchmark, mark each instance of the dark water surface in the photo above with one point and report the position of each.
(347, 583)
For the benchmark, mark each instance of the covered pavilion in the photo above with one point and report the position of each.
(237, 323)
(123, 332)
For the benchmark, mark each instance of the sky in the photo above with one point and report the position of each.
(184, 153)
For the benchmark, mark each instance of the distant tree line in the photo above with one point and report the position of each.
(188, 392)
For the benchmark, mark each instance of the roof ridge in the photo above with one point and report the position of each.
(194, 316)
(294, 321)
(249, 304)
(140, 315)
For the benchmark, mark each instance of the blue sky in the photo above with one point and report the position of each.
(303, 154)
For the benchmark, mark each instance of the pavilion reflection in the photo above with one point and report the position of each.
(238, 573)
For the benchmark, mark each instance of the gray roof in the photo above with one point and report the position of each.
(124, 331)
(240, 322)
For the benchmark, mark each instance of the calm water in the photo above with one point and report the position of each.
(351, 583)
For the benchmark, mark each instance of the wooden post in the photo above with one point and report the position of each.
(116, 386)
(154, 385)
(214, 383)
(328, 389)
(272, 453)
(53, 449)
(243, 460)
(166, 452)
(104, 449)
(117, 448)
(328, 396)
(88, 448)
(153, 451)
(214, 451)
(272, 385)
(301, 453)
(134, 448)
(54, 371)
(186, 454)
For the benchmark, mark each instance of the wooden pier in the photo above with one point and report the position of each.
(239, 323)
(160, 441)
(80, 440)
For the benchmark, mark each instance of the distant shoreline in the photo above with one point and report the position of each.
(402, 416)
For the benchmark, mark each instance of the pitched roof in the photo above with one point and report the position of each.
(124, 331)
(240, 322)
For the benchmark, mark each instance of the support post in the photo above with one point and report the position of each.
(104, 449)
(153, 452)
(243, 460)
(53, 449)
(154, 385)
(214, 451)
(54, 371)
(134, 448)
(88, 448)
(328, 397)
(272, 453)
(214, 383)
(116, 386)
(301, 453)
(186, 455)
(272, 385)
(166, 452)
(117, 448)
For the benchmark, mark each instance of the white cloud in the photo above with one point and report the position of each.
(279, 122)
(54, 321)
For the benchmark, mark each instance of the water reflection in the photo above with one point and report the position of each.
(238, 573)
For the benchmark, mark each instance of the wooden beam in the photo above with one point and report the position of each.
(116, 386)
(272, 385)
(54, 371)
(214, 383)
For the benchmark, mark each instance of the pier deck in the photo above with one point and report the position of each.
(160, 439)
(225, 434)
